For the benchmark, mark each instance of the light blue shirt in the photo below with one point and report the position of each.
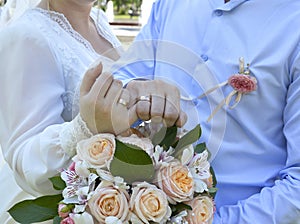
(256, 145)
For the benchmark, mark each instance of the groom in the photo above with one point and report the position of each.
(196, 45)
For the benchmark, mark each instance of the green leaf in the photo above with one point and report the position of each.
(37, 210)
(213, 176)
(131, 154)
(165, 137)
(57, 220)
(58, 183)
(213, 190)
(68, 208)
(179, 207)
(200, 148)
(131, 163)
(159, 136)
(189, 138)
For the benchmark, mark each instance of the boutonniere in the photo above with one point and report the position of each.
(242, 83)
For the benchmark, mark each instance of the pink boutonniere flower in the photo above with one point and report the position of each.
(242, 83)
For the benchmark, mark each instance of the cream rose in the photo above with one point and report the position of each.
(143, 143)
(149, 203)
(97, 151)
(176, 181)
(202, 210)
(109, 201)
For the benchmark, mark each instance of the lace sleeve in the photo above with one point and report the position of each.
(72, 133)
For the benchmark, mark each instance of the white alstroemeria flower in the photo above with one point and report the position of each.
(92, 181)
(199, 166)
(71, 177)
(83, 191)
(117, 181)
(179, 218)
(83, 194)
(82, 218)
(120, 183)
(200, 170)
(73, 200)
(82, 169)
(162, 157)
(187, 155)
(79, 208)
(199, 185)
(157, 152)
(73, 182)
(105, 175)
(70, 192)
(112, 220)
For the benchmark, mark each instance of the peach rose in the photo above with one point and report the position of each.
(97, 151)
(149, 203)
(176, 181)
(109, 201)
(202, 210)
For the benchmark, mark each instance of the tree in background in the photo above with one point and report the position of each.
(122, 6)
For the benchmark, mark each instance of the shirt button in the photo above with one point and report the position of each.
(204, 57)
(196, 102)
(219, 12)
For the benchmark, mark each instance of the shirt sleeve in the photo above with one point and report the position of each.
(33, 134)
(279, 204)
(129, 66)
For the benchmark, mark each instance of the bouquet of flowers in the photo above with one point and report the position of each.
(164, 178)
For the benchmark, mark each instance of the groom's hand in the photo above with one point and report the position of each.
(155, 100)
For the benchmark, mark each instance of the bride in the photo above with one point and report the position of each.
(49, 98)
(45, 51)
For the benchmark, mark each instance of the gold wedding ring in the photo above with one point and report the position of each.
(144, 98)
(123, 102)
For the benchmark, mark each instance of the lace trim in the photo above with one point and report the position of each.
(60, 19)
(104, 33)
(72, 133)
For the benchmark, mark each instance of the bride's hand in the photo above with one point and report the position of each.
(103, 102)
(156, 100)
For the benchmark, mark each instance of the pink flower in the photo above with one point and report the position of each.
(72, 166)
(243, 83)
(63, 211)
(67, 220)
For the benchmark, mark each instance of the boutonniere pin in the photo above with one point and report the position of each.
(241, 82)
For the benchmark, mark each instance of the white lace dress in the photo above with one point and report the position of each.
(42, 60)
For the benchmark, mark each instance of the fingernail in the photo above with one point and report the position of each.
(95, 64)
